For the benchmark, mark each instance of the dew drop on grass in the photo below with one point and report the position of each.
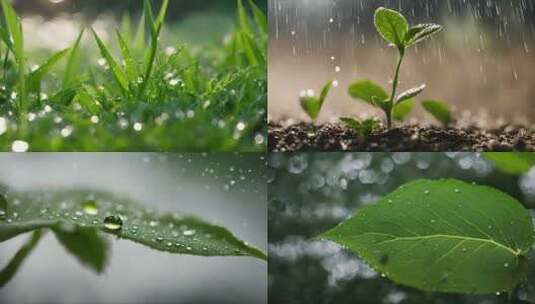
(90, 207)
(138, 126)
(189, 232)
(19, 146)
(113, 223)
(3, 125)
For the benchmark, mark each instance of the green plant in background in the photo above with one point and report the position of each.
(311, 104)
(80, 220)
(211, 99)
(394, 28)
(443, 236)
(362, 128)
(439, 110)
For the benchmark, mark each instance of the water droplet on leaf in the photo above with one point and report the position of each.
(113, 223)
(90, 207)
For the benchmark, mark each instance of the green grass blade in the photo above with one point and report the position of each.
(259, 17)
(139, 40)
(116, 70)
(243, 18)
(35, 77)
(5, 38)
(161, 15)
(126, 27)
(130, 63)
(87, 102)
(251, 50)
(150, 54)
(149, 17)
(72, 62)
(15, 29)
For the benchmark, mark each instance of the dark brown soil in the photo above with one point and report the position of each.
(333, 137)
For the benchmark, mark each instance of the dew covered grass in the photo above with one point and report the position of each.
(138, 87)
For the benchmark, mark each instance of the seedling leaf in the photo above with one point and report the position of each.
(362, 128)
(421, 32)
(410, 94)
(365, 90)
(402, 110)
(174, 233)
(439, 110)
(311, 106)
(391, 25)
(324, 92)
(443, 236)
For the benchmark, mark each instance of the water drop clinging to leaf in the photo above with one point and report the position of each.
(113, 223)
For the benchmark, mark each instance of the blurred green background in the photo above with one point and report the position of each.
(178, 7)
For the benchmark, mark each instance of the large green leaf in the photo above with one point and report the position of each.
(366, 90)
(446, 236)
(175, 233)
(391, 25)
(512, 162)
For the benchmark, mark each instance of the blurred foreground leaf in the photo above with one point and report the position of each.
(443, 236)
(11, 269)
(171, 232)
(512, 162)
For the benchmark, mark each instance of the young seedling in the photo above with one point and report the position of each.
(439, 110)
(362, 128)
(311, 104)
(394, 28)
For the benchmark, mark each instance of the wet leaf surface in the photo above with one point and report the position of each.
(446, 236)
(84, 209)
